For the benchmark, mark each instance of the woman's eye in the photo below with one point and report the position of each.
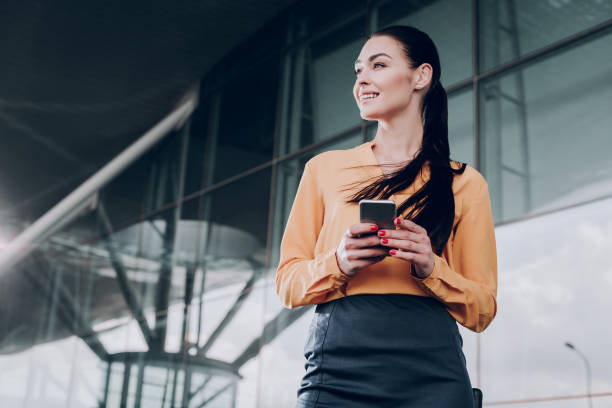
(357, 71)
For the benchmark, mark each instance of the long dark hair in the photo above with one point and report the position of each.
(433, 205)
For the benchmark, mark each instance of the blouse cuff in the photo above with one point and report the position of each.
(433, 276)
(330, 264)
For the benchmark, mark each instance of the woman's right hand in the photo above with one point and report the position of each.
(359, 248)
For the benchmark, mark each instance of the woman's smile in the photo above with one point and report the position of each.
(369, 97)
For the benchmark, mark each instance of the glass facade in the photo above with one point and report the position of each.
(534, 119)
(163, 295)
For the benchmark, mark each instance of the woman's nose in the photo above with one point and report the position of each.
(362, 79)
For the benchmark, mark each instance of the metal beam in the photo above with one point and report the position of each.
(188, 298)
(201, 387)
(139, 384)
(164, 281)
(64, 211)
(103, 401)
(125, 387)
(122, 280)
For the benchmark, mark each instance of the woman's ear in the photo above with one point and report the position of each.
(423, 76)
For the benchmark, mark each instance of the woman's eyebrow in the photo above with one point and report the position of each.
(374, 56)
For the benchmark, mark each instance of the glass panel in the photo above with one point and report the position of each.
(153, 386)
(453, 38)
(240, 338)
(312, 20)
(510, 29)
(321, 96)
(51, 303)
(115, 384)
(461, 126)
(554, 287)
(198, 144)
(238, 217)
(288, 177)
(263, 43)
(470, 350)
(533, 130)
(247, 117)
(150, 183)
(48, 375)
(191, 210)
(283, 358)
(147, 253)
(238, 310)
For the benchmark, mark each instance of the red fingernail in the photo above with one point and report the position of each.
(393, 252)
(398, 221)
(381, 233)
(373, 227)
(385, 241)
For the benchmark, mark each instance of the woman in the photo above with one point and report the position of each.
(384, 332)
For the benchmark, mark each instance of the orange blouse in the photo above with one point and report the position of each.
(464, 278)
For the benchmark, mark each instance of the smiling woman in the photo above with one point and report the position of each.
(384, 332)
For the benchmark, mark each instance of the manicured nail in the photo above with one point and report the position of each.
(373, 227)
(381, 233)
(385, 241)
(393, 252)
(398, 221)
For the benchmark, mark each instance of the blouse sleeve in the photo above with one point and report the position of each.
(302, 277)
(468, 288)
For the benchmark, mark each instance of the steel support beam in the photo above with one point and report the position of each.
(122, 280)
(68, 208)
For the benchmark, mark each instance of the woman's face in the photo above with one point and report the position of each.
(382, 68)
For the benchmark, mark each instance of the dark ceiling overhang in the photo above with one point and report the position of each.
(80, 81)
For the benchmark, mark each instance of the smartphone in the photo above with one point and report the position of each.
(379, 212)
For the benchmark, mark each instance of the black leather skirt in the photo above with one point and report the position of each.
(389, 350)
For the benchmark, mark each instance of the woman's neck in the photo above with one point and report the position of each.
(399, 138)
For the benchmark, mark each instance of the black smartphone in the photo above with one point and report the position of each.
(379, 212)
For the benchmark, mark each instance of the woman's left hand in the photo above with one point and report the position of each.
(410, 243)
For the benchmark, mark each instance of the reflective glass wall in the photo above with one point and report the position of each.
(161, 293)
